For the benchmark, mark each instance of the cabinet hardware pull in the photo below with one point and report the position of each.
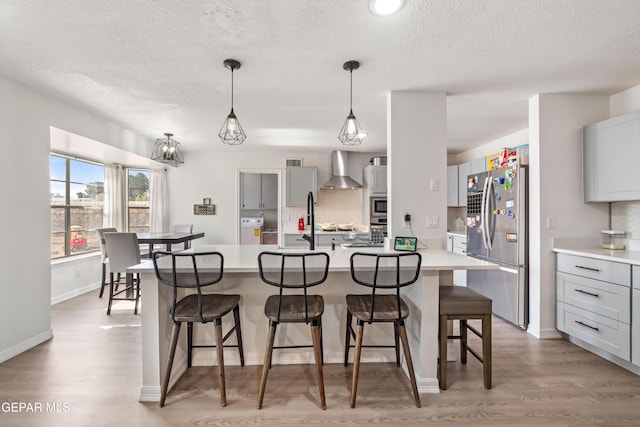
(587, 268)
(588, 293)
(588, 326)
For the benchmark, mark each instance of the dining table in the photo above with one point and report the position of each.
(166, 238)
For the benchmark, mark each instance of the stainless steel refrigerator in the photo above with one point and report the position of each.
(497, 231)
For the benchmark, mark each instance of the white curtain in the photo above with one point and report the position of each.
(115, 200)
(159, 201)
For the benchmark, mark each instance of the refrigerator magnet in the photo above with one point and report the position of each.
(509, 203)
(512, 237)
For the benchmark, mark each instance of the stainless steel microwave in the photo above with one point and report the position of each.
(378, 206)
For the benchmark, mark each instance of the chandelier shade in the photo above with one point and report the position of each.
(351, 133)
(231, 132)
(167, 150)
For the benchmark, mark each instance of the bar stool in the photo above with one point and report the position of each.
(124, 252)
(104, 256)
(197, 271)
(462, 303)
(381, 272)
(294, 272)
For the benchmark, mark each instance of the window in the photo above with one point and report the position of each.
(138, 200)
(77, 198)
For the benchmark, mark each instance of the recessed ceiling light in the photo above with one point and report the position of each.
(385, 7)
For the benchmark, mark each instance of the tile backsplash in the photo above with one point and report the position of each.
(625, 216)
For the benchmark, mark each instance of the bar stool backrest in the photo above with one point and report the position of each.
(104, 254)
(293, 271)
(196, 270)
(385, 271)
(123, 251)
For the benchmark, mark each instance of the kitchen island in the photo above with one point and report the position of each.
(241, 277)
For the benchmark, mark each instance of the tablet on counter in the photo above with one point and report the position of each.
(405, 244)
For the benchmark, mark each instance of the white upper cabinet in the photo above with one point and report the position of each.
(478, 165)
(301, 180)
(375, 179)
(464, 170)
(611, 150)
(452, 185)
(259, 191)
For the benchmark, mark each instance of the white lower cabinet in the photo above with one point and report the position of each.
(593, 302)
(635, 317)
(458, 244)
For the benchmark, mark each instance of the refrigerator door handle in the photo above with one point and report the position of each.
(489, 227)
(483, 210)
(509, 270)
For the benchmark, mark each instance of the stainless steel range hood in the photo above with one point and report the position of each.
(340, 179)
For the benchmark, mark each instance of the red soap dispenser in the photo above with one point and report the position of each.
(300, 224)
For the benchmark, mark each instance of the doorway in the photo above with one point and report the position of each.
(259, 206)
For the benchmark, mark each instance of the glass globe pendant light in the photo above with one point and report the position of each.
(231, 132)
(351, 132)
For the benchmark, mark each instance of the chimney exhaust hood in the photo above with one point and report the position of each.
(340, 179)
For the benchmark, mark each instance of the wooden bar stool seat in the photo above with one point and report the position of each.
(461, 303)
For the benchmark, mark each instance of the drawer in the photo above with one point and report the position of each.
(598, 269)
(607, 334)
(603, 298)
(294, 241)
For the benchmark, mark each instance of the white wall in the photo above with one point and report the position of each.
(417, 156)
(215, 175)
(555, 191)
(512, 140)
(25, 118)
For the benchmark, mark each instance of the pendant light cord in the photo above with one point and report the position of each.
(232, 89)
(351, 90)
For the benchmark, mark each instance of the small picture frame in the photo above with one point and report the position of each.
(408, 244)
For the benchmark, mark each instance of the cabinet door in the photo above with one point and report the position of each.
(251, 190)
(611, 150)
(452, 185)
(269, 191)
(478, 165)
(301, 180)
(378, 180)
(464, 170)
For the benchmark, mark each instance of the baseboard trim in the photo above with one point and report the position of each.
(25, 345)
(149, 394)
(74, 293)
(549, 334)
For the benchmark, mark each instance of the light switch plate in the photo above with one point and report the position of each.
(432, 221)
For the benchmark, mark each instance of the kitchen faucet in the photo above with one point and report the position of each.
(310, 221)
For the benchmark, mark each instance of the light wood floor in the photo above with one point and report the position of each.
(92, 371)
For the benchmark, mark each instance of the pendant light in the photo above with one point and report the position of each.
(231, 132)
(167, 150)
(351, 133)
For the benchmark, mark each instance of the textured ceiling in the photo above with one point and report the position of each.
(155, 66)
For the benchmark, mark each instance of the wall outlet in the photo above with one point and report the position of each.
(435, 184)
(407, 221)
(433, 221)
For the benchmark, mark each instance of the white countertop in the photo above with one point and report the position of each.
(244, 258)
(591, 248)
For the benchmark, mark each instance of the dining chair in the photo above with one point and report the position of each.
(182, 228)
(124, 251)
(293, 273)
(381, 273)
(197, 272)
(104, 256)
